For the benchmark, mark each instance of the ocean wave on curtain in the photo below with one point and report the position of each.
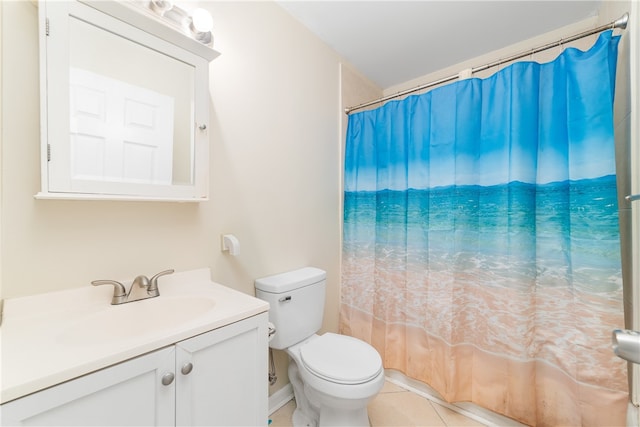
(481, 243)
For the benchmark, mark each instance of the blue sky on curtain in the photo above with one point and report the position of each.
(481, 244)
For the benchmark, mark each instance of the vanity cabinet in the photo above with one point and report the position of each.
(218, 378)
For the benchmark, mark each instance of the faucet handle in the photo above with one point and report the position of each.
(153, 283)
(119, 292)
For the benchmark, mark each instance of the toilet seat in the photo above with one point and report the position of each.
(341, 359)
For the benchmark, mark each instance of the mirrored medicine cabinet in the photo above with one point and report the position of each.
(124, 105)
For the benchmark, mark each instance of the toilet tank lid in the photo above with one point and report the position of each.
(285, 282)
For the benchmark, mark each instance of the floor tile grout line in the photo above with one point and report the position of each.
(440, 402)
(433, 406)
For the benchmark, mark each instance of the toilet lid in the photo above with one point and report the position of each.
(341, 359)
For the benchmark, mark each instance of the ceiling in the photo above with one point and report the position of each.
(392, 42)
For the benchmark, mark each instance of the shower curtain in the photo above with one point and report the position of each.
(481, 246)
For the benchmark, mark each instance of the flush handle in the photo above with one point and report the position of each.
(285, 299)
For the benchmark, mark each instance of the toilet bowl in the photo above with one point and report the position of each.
(333, 376)
(340, 376)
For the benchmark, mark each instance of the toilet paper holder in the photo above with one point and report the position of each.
(230, 243)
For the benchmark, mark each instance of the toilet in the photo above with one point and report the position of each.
(333, 376)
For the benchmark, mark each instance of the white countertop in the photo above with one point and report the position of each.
(50, 338)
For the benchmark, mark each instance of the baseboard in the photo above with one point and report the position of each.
(280, 398)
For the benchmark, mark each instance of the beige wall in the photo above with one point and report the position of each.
(275, 170)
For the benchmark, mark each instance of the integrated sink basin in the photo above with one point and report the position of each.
(50, 338)
(136, 319)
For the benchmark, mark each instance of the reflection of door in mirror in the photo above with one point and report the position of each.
(119, 132)
(159, 94)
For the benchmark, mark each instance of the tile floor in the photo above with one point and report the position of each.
(395, 406)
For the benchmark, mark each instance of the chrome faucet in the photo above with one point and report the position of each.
(141, 288)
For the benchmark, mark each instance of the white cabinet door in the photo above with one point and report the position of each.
(127, 394)
(225, 379)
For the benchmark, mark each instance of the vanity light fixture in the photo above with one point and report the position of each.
(197, 24)
(160, 6)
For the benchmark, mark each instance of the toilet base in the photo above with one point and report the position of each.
(328, 416)
(331, 417)
(356, 418)
(301, 419)
(325, 410)
(338, 412)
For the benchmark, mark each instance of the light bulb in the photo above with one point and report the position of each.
(201, 21)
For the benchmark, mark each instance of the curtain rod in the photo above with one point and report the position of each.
(619, 23)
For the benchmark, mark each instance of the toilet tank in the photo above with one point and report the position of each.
(296, 300)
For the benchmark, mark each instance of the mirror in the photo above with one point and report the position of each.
(124, 105)
(128, 122)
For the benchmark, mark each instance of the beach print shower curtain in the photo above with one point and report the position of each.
(481, 245)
